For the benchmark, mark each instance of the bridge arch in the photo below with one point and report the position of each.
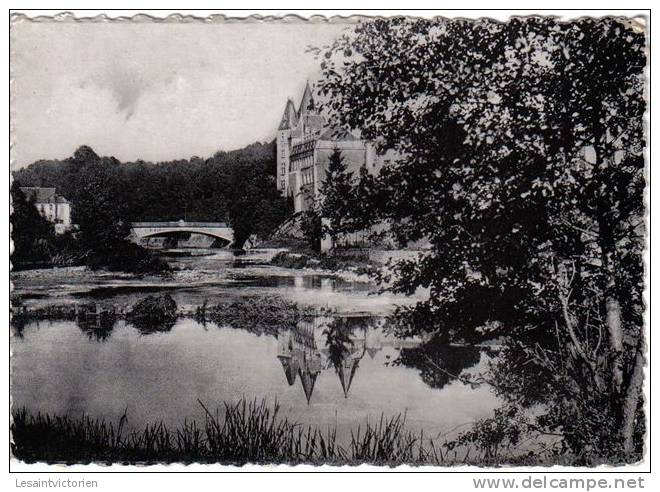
(217, 230)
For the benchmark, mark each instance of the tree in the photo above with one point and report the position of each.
(31, 232)
(193, 189)
(100, 216)
(336, 190)
(522, 164)
(311, 227)
(255, 205)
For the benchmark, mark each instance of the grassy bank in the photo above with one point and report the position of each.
(245, 432)
(254, 432)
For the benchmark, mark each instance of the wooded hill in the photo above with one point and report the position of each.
(237, 186)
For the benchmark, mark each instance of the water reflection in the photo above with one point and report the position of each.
(97, 326)
(438, 363)
(333, 379)
(336, 344)
(317, 282)
(299, 355)
(344, 343)
(345, 348)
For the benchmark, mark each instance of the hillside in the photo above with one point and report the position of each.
(191, 189)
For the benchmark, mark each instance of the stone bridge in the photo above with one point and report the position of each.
(144, 230)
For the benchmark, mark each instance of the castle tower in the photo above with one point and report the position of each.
(307, 102)
(372, 341)
(288, 122)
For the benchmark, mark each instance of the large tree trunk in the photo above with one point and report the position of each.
(607, 217)
(631, 400)
(612, 306)
(615, 330)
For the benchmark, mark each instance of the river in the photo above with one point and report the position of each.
(61, 368)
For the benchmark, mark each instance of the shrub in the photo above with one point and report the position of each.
(289, 260)
(127, 257)
(153, 313)
(259, 315)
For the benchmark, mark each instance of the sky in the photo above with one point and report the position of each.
(154, 91)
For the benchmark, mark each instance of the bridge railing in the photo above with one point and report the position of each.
(142, 225)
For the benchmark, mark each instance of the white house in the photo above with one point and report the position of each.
(53, 207)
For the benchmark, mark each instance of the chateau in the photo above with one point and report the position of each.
(304, 145)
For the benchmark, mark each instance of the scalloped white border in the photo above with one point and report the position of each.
(300, 16)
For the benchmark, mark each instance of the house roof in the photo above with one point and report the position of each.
(372, 351)
(338, 135)
(40, 195)
(314, 121)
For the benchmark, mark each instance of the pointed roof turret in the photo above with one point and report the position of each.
(346, 372)
(291, 368)
(290, 117)
(308, 379)
(307, 101)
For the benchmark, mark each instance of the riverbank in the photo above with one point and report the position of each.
(248, 431)
(240, 433)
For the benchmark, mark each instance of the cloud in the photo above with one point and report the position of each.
(154, 91)
(126, 86)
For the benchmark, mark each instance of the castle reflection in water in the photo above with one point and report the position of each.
(344, 342)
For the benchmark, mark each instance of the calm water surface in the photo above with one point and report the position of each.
(217, 277)
(60, 367)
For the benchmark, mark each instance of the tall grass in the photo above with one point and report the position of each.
(245, 432)
(252, 432)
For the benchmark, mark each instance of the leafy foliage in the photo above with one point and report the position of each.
(336, 190)
(243, 432)
(439, 364)
(237, 187)
(32, 234)
(154, 313)
(259, 315)
(311, 227)
(521, 161)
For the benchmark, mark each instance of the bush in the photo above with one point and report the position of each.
(360, 264)
(289, 260)
(127, 257)
(154, 313)
(259, 315)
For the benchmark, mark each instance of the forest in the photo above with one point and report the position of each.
(237, 187)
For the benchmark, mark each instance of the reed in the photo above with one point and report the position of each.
(244, 432)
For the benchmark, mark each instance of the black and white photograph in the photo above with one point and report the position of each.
(388, 240)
